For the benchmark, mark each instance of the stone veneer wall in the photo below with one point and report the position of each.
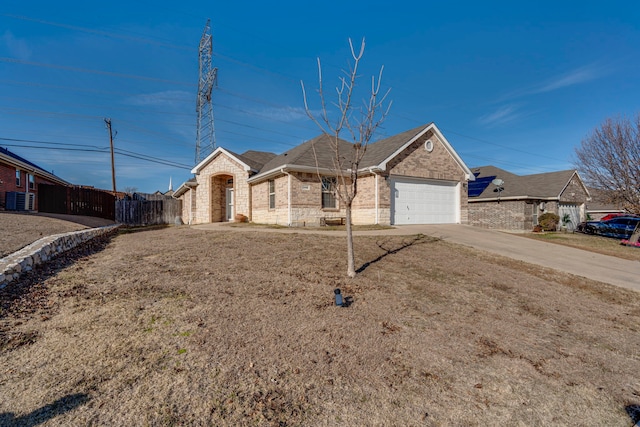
(221, 165)
(14, 265)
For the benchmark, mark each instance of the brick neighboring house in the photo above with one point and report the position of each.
(522, 199)
(415, 177)
(18, 174)
(600, 205)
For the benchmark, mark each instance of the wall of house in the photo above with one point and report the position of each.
(261, 214)
(306, 201)
(188, 206)
(574, 192)
(513, 215)
(208, 197)
(8, 183)
(438, 164)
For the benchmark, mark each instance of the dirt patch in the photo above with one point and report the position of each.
(18, 230)
(181, 326)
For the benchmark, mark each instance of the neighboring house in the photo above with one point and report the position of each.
(517, 202)
(415, 177)
(19, 180)
(600, 205)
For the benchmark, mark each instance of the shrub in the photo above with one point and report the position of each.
(549, 221)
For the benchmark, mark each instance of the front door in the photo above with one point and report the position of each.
(229, 204)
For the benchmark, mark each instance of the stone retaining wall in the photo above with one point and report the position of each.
(12, 266)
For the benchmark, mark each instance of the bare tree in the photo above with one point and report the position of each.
(359, 124)
(609, 161)
(130, 189)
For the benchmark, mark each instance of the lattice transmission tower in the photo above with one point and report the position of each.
(207, 80)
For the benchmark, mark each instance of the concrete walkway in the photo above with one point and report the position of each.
(603, 268)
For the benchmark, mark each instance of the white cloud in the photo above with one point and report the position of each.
(581, 75)
(163, 99)
(284, 114)
(574, 77)
(18, 48)
(501, 116)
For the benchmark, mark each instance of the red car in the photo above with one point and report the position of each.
(615, 215)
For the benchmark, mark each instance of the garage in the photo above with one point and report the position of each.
(420, 201)
(573, 211)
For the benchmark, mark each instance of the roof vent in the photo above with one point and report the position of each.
(428, 145)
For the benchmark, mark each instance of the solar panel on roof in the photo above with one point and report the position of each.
(479, 185)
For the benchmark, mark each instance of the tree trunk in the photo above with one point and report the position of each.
(351, 259)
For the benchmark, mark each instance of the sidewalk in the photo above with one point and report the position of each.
(603, 268)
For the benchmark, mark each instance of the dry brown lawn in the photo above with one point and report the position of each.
(588, 242)
(181, 326)
(18, 230)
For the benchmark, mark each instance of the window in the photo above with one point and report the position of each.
(329, 192)
(32, 182)
(272, 194)
(18, 182)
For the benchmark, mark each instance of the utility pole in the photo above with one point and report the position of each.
(113, 163)
(207, 80)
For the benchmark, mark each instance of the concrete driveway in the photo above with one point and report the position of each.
(603, 268)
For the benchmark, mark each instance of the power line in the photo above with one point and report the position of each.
(99, 32)
(92, 71)
(93, 149)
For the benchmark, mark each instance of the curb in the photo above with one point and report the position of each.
(14, 265)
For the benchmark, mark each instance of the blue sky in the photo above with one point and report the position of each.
(514, 84)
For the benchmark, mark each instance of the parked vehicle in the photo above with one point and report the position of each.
(615, 215)
(620, 227)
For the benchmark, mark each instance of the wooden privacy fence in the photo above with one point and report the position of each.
(139, 210)
(76, 200)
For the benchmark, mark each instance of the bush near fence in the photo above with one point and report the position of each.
(148, 209)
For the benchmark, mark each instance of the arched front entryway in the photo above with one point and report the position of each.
(222, 198)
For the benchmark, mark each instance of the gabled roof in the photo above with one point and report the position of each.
(24, 164)
(184, 187)
(250, 160)
(548, 185)
(315, 154)
(256, 159)
(381, 152)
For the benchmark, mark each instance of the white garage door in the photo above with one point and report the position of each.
(415, 201)
(574, 215)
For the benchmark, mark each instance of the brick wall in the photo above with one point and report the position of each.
(507, 215)
(261, 213)
(438, 164)
(211, 194)
(574, 192)
(8, 183)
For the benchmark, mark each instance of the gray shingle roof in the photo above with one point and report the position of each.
(542, 185)
(255, 159)
(380, 150)
(318, 149)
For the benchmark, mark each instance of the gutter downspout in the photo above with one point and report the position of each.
(288, 196)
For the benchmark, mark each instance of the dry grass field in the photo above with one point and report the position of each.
(180, 326)
(598, 244)
(17, 230)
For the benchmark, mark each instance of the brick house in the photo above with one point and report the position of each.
(516, 203)
(19, 175)
(415, 177)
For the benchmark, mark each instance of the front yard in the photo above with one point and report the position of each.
(588, 242)
(180, 326)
